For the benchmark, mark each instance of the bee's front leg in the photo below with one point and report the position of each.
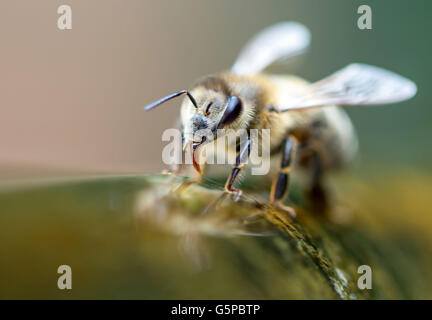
(280, 185)
(317, 192)
(241, 160)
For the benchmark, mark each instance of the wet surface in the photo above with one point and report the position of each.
(136, 237)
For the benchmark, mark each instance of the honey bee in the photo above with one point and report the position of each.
(305, 118)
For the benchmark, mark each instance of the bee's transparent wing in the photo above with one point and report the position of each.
(356, 84)
(276, 43)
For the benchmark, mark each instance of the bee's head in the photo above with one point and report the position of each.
(215, 111)
(209, 107)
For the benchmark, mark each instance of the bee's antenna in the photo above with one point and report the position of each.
(171, 96)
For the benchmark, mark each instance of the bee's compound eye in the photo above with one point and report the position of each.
(232, 111)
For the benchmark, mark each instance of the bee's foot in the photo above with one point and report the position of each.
(235, 194)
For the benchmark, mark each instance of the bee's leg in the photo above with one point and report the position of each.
(280, 185)
(317, 192)
(241, 160)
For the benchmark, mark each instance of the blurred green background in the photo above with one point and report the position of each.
(71, 101)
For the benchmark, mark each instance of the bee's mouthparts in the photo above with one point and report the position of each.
(195, 156)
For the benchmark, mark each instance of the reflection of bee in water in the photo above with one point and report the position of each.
(302, 116)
